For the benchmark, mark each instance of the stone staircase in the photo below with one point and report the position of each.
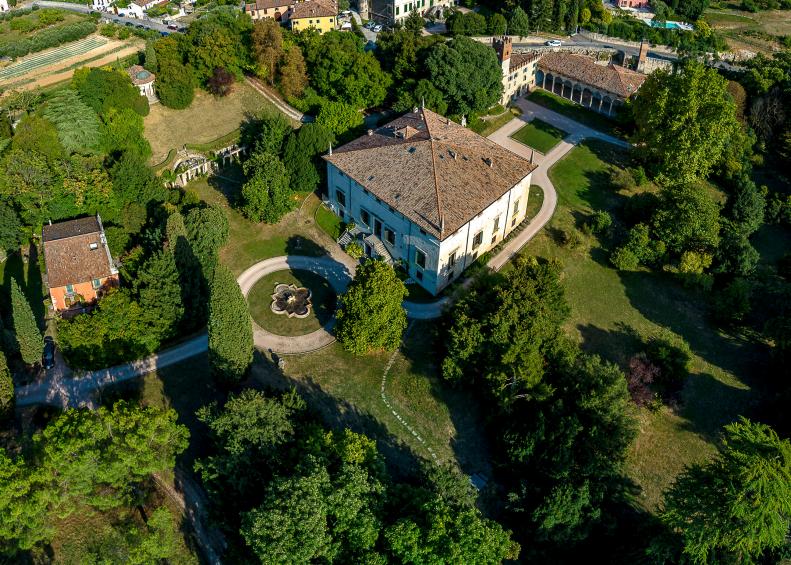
(348, 236)
(379, 248)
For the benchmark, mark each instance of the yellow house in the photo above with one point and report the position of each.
(321, 15)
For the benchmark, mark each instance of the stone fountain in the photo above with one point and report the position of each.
(291, 300)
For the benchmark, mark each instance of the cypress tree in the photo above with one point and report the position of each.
(230, 329)
(6, 388)
(28, 337)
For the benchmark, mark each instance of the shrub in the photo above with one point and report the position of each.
(642, 373)
(600, 222)
(623, 259)
(354, 250)
(220, 82)
(673, 356)
(570, 238)
(732, 303)
(622, 180)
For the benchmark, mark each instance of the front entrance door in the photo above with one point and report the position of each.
(378, 228)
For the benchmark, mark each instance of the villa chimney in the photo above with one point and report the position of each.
(489, 161)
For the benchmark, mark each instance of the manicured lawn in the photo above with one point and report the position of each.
(250, 242)
(534, 202)
(606, 305)
(491, 124)
(346, 390)
(329, 221)
(573, 111)
(539, 135)
(207, 119)
(260, 300)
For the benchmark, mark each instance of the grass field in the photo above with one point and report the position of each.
(573, 111)
(249, 242)
(539, 135)
(490, 124)
(207, 119)
(322, 297)
(607, 305)
(759, 31)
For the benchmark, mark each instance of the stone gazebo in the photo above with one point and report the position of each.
(144, 81)
(584, 81)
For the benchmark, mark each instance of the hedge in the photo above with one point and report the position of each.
(48, 38)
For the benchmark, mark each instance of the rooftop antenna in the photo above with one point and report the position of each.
(423, 102)
(531, 155)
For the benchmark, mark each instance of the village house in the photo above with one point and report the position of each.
(278, 10)
(428, 193)
(79, 267)
(137, 8)
(392, 11)
(321, 15)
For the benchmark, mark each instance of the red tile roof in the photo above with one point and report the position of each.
(432, 170)
(612, 78)
(314, 9)
(74, 252)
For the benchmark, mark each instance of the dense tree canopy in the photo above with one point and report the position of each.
(77, 123)
(467, 73)
(29, 340)
(737, 505)
(684, 121)
(266, 196)
(371, 315)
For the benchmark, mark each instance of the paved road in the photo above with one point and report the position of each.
(149, 24)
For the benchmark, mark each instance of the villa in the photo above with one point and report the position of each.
(321, 15)
(278, 10)
(428, 193)
(79, 267)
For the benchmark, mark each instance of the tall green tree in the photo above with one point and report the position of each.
(6, 386)
(497, 24)
(371, 314)
(29, 340)
(103, 89)
(293, 73)
(688, 219)
(499, 333)
(151, 63)
(467, 73)
(175, 82)
(77, 123)
(207, 230)
(267, 47)
(338, 117)
(230, 329)
(10, 228)
(23, 506)
(519, 24)
(99, 457)
(159, 291)
(684, 121)
(301, 156)
(739, 504)
(266, 196)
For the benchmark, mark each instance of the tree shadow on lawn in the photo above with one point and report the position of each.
(337, 413)
(228, 182)
(421, 349)
(300, 245)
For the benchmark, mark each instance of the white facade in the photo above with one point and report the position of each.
(401, 8)
(101, 5)
(3, 5)
(431, 262)
(518, 82)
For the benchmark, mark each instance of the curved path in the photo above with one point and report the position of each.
(62, 390)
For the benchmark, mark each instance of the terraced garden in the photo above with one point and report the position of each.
(51, 57)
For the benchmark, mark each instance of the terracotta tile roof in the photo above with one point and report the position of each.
(612, 78)
(519, 60)
(314, 9)
(74, 252)
(432, 170)
(266, 4)
(139, 75)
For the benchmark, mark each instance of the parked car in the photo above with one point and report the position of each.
(346, 13)
(174, 27)
(48, 358)
(553, 43)
(377, 28)
(140, 26)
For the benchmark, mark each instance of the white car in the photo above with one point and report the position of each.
(377, 28)
(553, 43)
